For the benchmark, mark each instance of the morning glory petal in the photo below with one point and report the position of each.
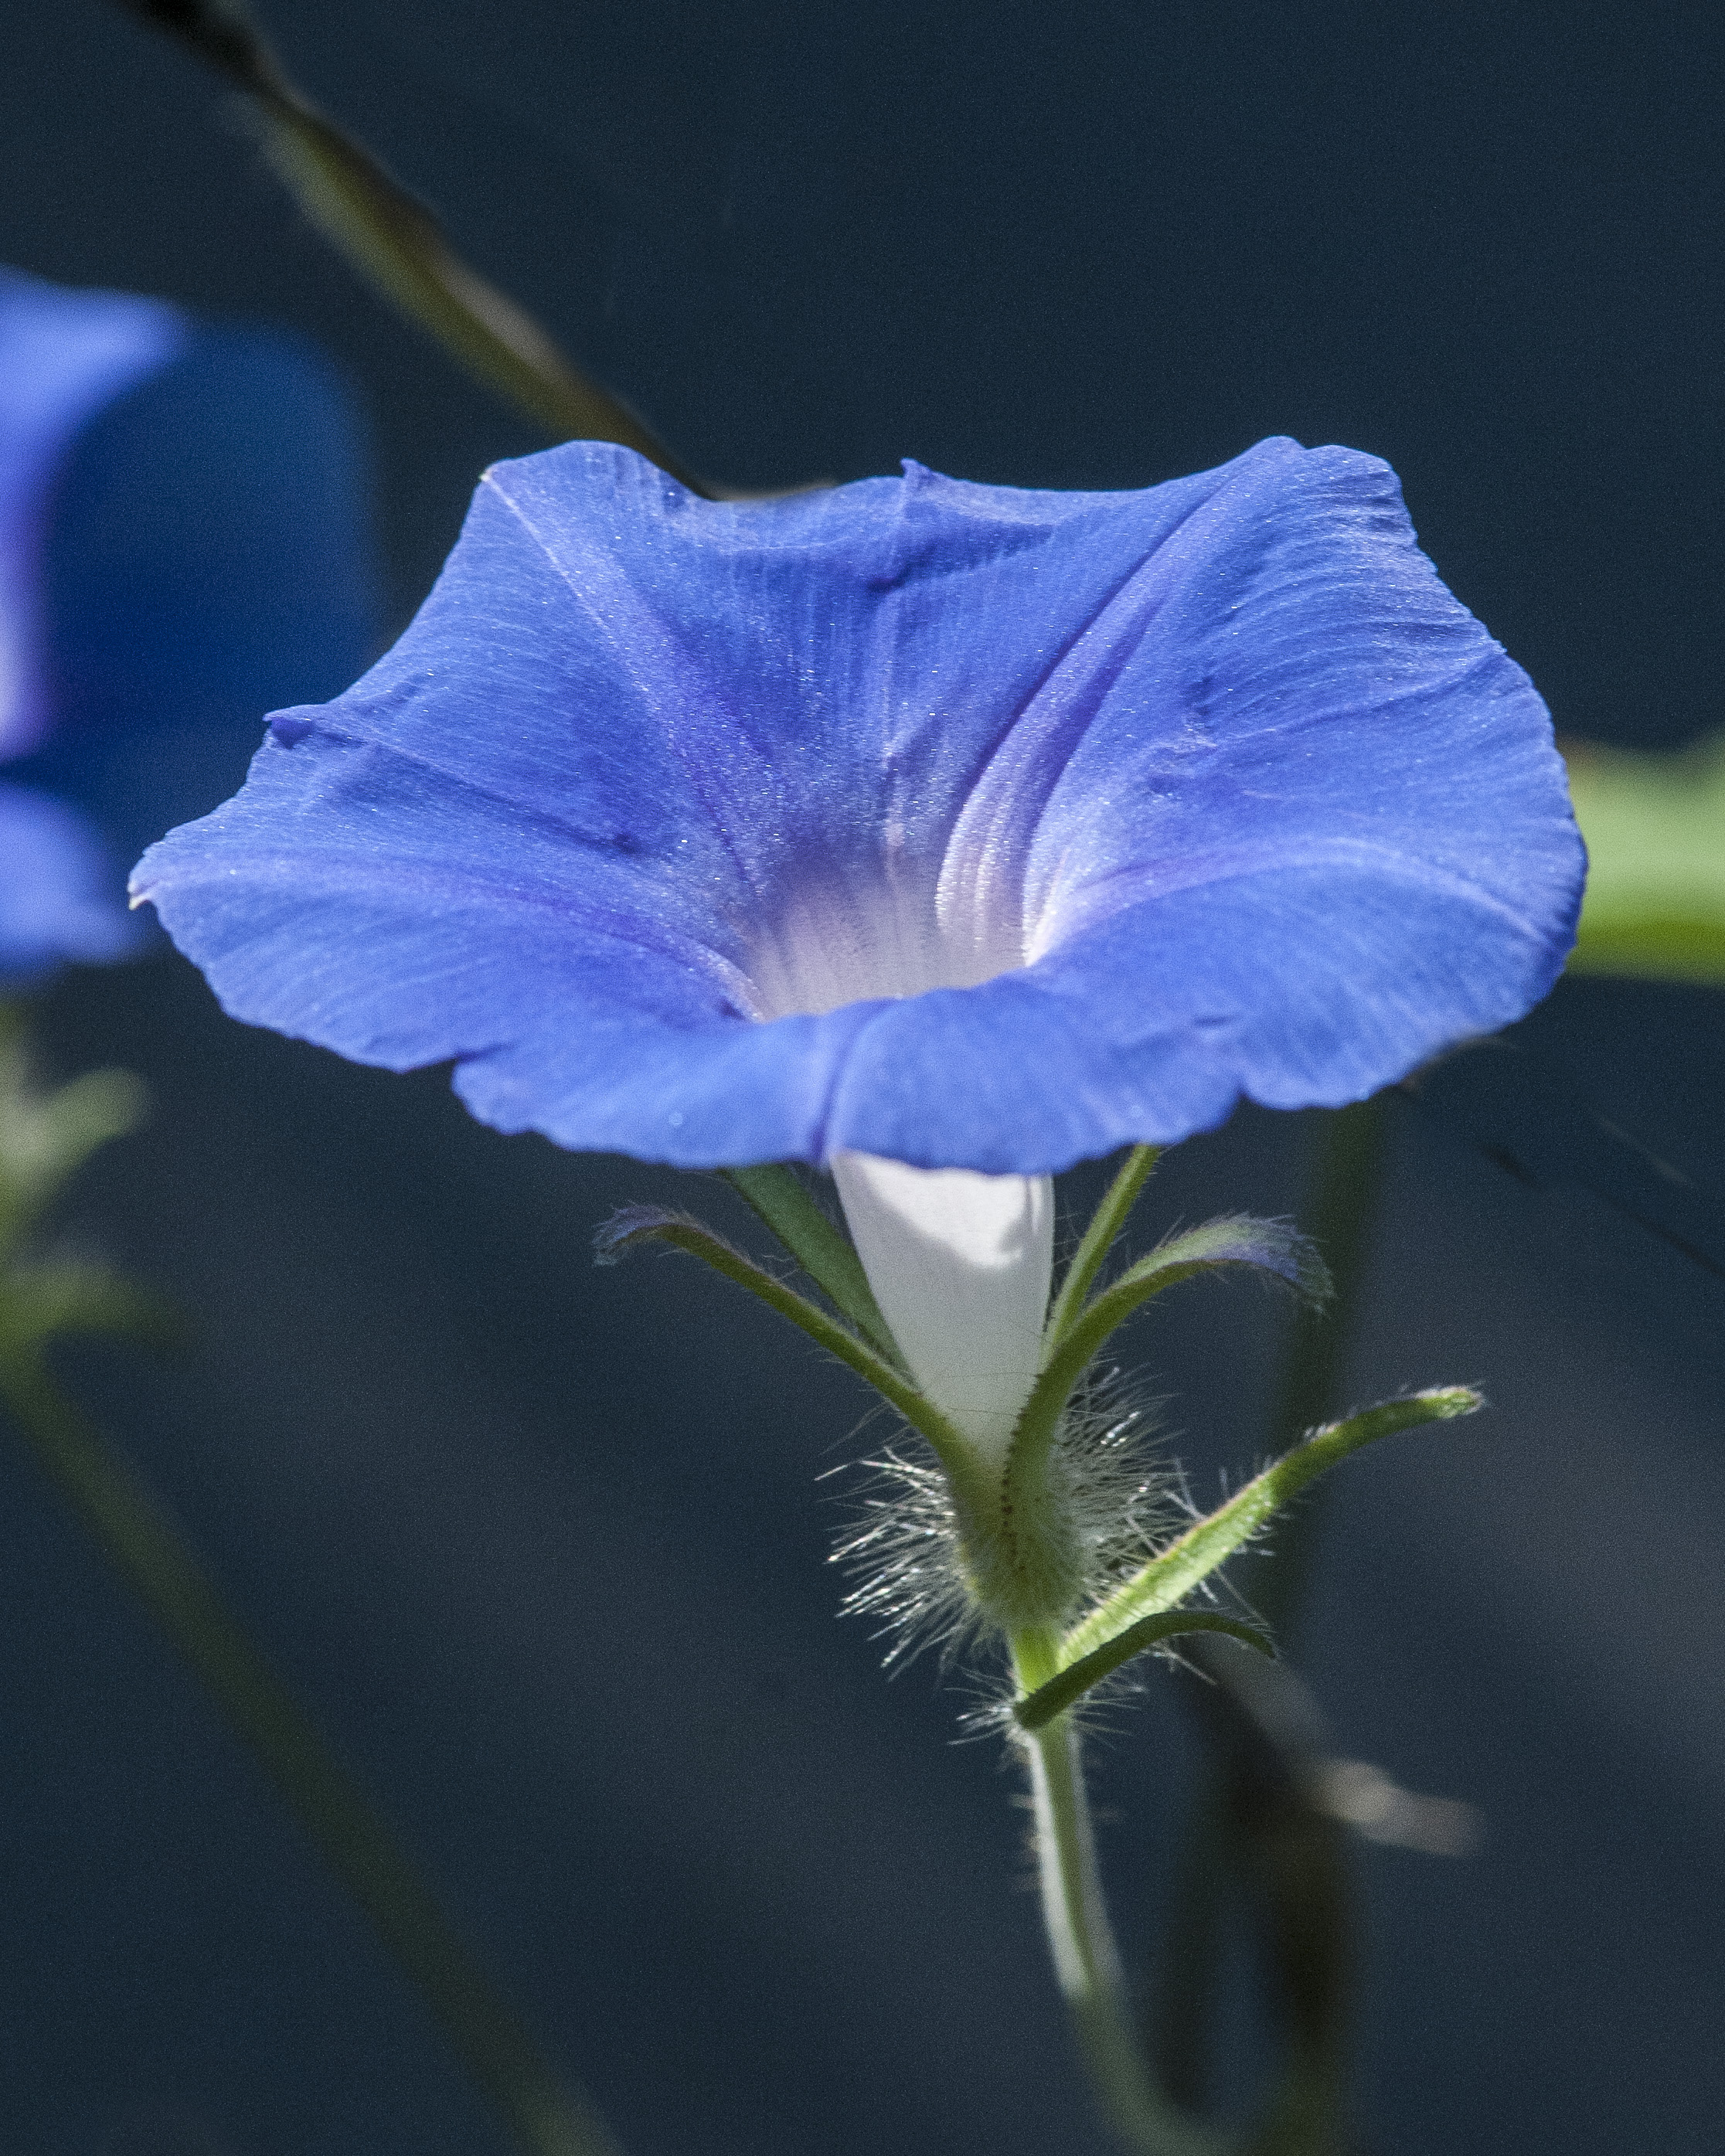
(963, 826)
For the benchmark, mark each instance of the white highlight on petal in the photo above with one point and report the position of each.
(961, 1265)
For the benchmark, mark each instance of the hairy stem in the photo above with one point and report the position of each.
(1086, 1958)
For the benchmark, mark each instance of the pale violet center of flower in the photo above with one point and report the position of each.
(961, 1265)
(832, 945)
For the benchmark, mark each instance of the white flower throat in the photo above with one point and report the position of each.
(836, 944)
(961, 1265)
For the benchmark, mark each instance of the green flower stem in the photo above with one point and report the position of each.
(394, 243)
(140, 1541)
(1086, 1958)
(1107, 1222)
(1188, 1561)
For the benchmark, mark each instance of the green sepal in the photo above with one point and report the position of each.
(1269, 1246)
(1106, 1222)
(824, 1251)
(1079, 1677)
(1189, 1560)
(639, 1224)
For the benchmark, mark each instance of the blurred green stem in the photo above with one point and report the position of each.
(394, 241)
(142, 1543)
(1347, 1178)
(1253, 1826)
(45, 1134)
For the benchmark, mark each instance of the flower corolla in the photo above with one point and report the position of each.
(968, 826)
(949, 826)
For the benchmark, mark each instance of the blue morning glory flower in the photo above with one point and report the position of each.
(184, 541)
(941, 834)
(962, 825)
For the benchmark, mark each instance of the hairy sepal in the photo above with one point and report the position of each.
(1041, 1706)
(1031, 1577)
(635, 1224)
(1100, 1237)
(822, 1249)
(1188, 1561)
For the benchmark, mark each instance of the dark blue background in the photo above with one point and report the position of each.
(545, 1546)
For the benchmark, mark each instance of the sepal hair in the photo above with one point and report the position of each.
(902, 1552)
(632, 1224)
(1121, 1502)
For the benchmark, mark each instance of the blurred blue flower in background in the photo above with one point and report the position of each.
(968, 826)
(184, 542)
(63, 357)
